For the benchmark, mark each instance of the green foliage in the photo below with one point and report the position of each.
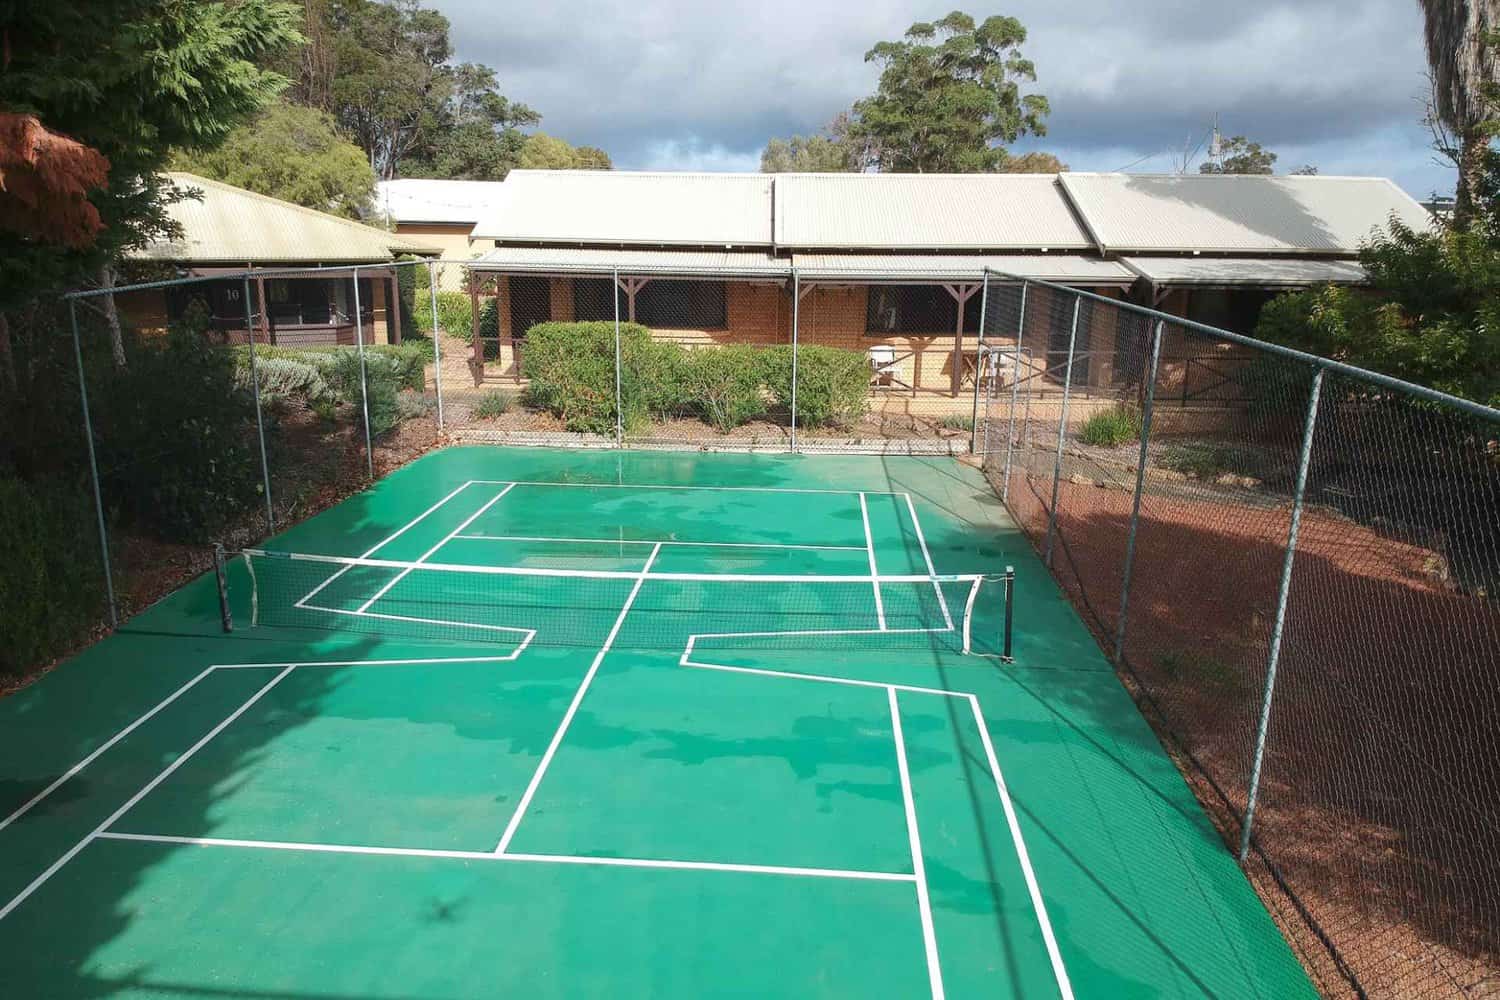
(1242, 156)
(294, 154)
(725, 384)
(1033, 163)
(455, 315)
(175, 435)
(283, 379)
(831, 151)
(1208, 460)
(656, 380)
(547, 152)
(833, 385)
(1434, 318)
(53, 587)
(495, 403)
(949, 97)
(957, 422)
(1112, 427)
(571, 368)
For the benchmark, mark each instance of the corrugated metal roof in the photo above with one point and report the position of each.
(1236, 214)
(1066, 268)
(578, 260)
(418, 199)
(1258, 271)
(925, 211)
(232, 225)
(630, 208)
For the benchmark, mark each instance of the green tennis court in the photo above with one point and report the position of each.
(518, 722)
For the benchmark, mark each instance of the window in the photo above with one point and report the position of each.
(681, 305)
(591, 300)
(928, 309)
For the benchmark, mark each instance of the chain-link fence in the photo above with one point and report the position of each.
(223, 408)
(1294, 566)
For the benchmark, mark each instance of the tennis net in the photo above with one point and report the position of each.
(639, 607)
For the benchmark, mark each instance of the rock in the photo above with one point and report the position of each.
(1079, 479)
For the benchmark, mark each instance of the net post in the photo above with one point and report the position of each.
(1140, 486)
(1062, 432)
(796, 321)
(1010, 613)
(260, 426)
(984, 302)
(1015, 388)
(969, 613)
(364, 382)
(619, 412)
(88, 437)
(437, 337)
(225, 616)
(1282, 590)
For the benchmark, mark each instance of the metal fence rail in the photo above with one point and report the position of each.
(1301, 586)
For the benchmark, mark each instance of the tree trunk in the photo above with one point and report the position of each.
(7, 357)
(1471, 164)
(112, 316)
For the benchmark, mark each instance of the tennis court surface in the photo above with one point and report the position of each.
(530, 723)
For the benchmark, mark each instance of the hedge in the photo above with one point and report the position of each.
(571, 369)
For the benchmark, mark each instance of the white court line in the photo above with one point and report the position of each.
(864, 514)
(1058, 969)
(824, 679)
(927, 558)
(919, 867)
(653, 541)
(39, 796)
(389, 538)
(560, 859)
(588, 678)
(446, 539)
(660, 486)
(530, 633)
(109, 821)
(365, 663)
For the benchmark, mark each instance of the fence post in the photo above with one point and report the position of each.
(1140, 486)
(1277, 630)
(796, 320)
(1062, 432)
(437, 336)
(364, 386)
(1015, 388)
(260, 427)
(984, 301)
(88, 436)
(619, 413)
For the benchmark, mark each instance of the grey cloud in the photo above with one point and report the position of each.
(675, 83)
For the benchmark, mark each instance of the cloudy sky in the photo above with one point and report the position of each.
(677, 84)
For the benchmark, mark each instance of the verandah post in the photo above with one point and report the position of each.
(1140, 485)
(1015, 388)
(364, 388)
(1062, 432)
(88, 436)
(1282, 590)
(260, 426)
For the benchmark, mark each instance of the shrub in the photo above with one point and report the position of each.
(455, 315)
(53, 587)
(410, 359)
(571, 368)
(655, 376)
(1112, 427)
(283, 379)
(175, 435)
(1210, 459)
(832, 384)
(957, 422)
(725, 384)
(494, 403)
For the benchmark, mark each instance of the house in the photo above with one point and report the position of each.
(893, 264)
(225, 229)
(438, 213)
